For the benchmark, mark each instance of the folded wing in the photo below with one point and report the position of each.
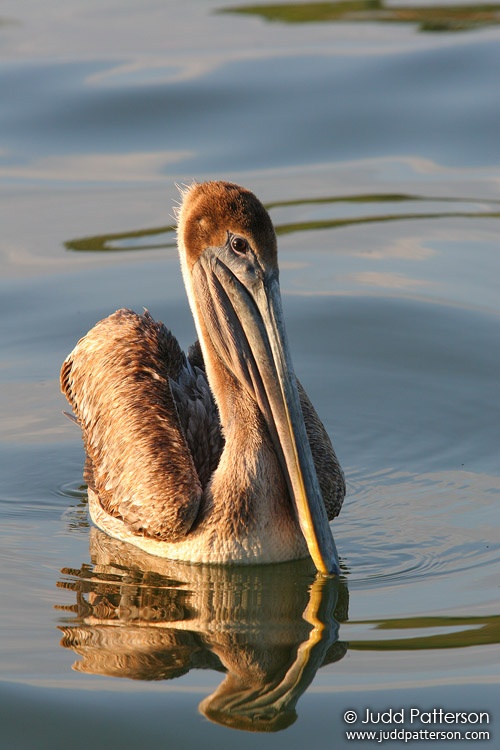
(149, 423)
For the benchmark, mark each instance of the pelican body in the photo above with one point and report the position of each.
(217, 456)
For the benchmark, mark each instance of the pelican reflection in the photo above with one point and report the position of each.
(267, 628)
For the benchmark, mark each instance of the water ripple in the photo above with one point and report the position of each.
(401, 527)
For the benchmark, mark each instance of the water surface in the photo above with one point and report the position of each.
(372, 136)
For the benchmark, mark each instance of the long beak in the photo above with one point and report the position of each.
(246, 326)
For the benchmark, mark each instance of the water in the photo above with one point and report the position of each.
(374, 142)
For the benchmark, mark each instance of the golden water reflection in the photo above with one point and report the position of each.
(267, 628)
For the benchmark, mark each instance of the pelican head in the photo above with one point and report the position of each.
(229, 261)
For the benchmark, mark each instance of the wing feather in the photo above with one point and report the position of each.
(118, 380)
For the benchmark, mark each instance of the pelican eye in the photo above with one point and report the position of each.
(239, 245)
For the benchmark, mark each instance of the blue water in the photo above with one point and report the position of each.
(375, 147)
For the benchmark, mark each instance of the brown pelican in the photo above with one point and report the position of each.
(217, 457)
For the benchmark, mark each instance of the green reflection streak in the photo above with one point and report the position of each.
(362, 198)
(106, 242)
(101, 242)
(307, 226)
(478, 631)
(438, 18)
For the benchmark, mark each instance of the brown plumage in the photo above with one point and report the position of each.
(203, 457)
